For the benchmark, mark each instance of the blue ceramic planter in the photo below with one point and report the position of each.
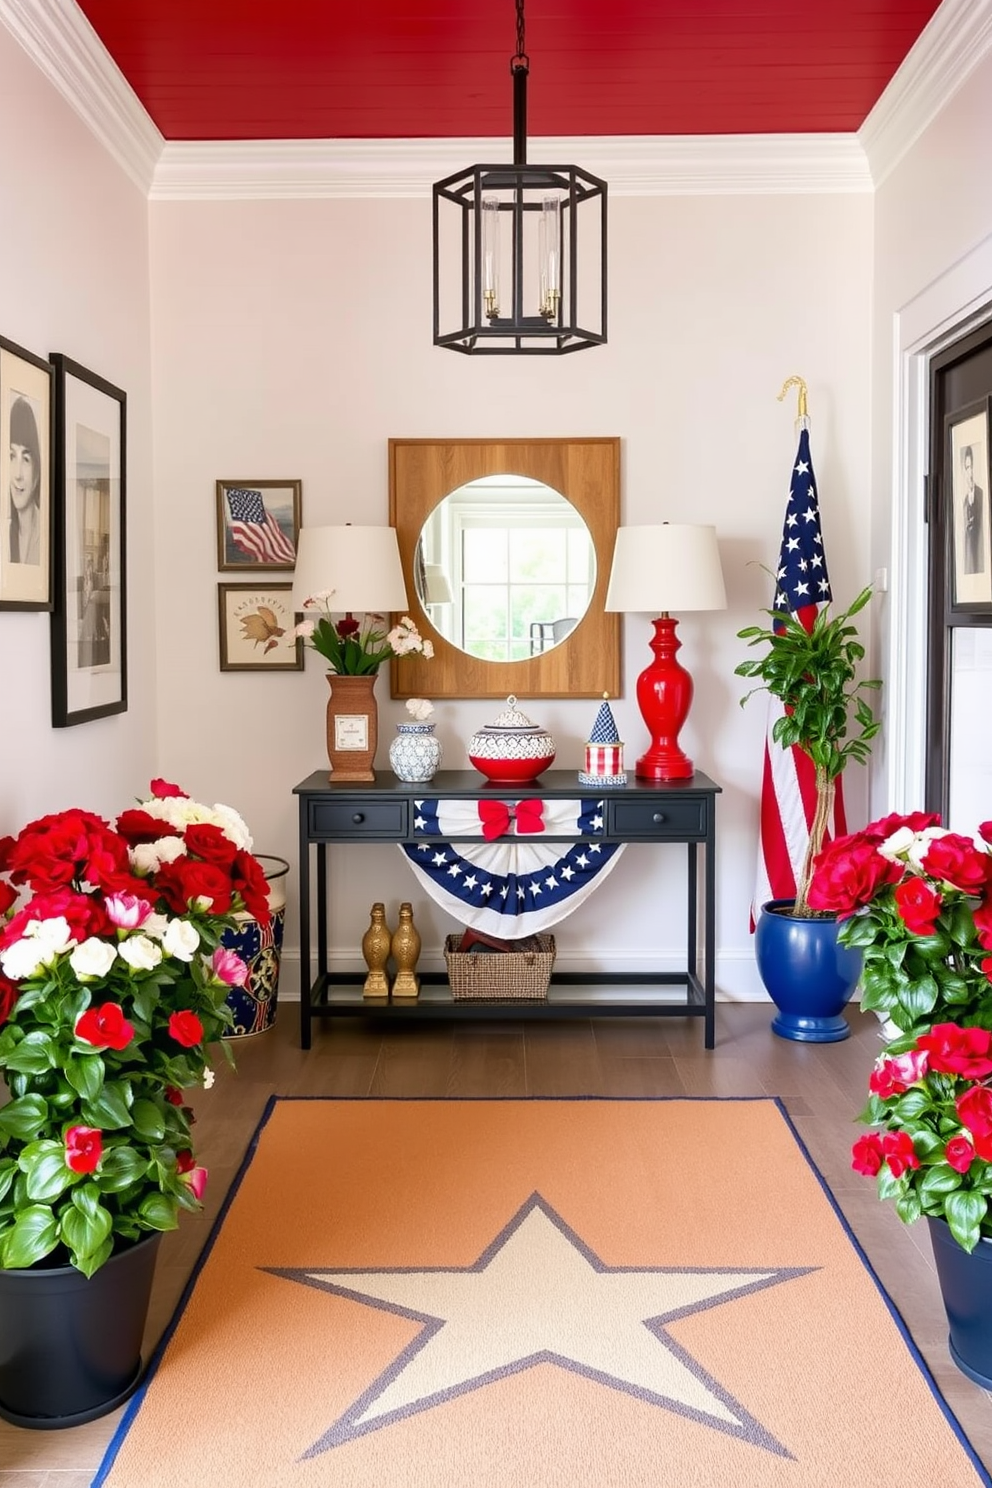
(808, 975)
(966, 1287)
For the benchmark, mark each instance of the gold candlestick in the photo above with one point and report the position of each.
(375, 948)
(406, 949)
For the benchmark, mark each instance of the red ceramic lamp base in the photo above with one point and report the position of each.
(664, 695)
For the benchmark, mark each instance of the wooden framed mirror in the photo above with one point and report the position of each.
(461, 509)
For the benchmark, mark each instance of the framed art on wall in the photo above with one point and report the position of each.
(89, 619)
(971, 549)
(256, 621)
(26, 487)
(258, 524)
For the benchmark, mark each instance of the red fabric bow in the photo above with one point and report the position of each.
(496, 817)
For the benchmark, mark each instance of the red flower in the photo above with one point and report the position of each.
(6, 848)
(84, 912)
(83, 1148)
(959, 1154)
(140, 826)
(983, 924)
(209, 842)
(957, 861)
(916, 821)
(918, 905)
(848, 874)
(347, 626)
(866, 1155)
(56, 850)
(984, 831)
(105, 1027)
(8, 996)
(966, 1052)
(974, 1108)
(186, 1028)
(248, 878)
(187, 879)
(899, 1152)
(7, 897)
(160, 789)
(173, 1096)
(894, 1076)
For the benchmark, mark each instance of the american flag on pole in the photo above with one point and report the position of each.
(254, 530)
(788, 786)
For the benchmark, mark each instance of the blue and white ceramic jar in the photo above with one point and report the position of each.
(415, 753)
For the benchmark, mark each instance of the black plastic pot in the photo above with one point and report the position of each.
(70, 1347)
(966, 1288)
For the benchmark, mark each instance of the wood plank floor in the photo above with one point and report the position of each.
(823, 1088)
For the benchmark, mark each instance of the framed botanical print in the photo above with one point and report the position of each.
(26, 483)
(971, 547)
(256, 621)
(258, 524)
(89, 620)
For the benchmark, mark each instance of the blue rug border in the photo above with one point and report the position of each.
(134, 1405)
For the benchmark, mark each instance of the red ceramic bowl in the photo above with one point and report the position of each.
(511, 771)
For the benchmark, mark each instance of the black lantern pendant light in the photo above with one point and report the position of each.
(507, 245)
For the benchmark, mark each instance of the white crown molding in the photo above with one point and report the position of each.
(61, 41)
(957, 38)
(632, 165)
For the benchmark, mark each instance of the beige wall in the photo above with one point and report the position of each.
(74, 279)
(292, 339)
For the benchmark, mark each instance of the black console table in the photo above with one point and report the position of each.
(383, 811)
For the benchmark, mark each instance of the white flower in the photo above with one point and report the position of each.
(304, 630)
(181, 939)
(156, 925)
(895, 846)
(42, 942)
(93, 958)
(180, 812)
(148, 857)
(140, 953)
(208, 1078)
(419, 708)
(921, 846)
(427, 647)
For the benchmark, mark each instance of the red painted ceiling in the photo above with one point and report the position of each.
(384, 69)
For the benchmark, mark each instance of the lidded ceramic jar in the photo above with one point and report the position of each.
(511, 749)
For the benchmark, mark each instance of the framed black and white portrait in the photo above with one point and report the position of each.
(89, 621)
(26, 485)
(971, 547)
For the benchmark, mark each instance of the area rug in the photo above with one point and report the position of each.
(534, 1294)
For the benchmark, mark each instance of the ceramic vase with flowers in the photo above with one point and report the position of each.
(916, 899)
(113, 997)
(354, 650)
(415, 753)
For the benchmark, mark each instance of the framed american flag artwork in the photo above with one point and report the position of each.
(258, 524)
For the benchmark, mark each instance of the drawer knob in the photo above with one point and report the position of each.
(658, 818)
(358, 818)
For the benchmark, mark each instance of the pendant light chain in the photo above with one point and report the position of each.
(521, 58)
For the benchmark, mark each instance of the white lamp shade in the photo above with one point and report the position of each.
(672, 566)
(360, 565)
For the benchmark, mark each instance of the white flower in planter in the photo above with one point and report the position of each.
(419, 709)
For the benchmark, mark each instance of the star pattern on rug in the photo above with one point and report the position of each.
(539, 1294)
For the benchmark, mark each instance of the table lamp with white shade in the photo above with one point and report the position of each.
(657, 569)
(354, 568)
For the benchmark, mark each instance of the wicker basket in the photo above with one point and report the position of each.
(486, 976)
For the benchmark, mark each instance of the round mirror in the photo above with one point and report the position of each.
(505, 568)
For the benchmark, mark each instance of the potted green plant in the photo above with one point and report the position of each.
(814, 674)
(916, 900)
(113, 988)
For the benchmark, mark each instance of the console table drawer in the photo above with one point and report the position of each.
(358, 819)
(655, 820)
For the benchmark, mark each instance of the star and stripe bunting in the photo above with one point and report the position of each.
(788, 785)
(514, 885)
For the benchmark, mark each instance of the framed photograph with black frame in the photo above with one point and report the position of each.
(26, 489)
(256, 621)
(971, 549)
(89, 621)
(258, 524)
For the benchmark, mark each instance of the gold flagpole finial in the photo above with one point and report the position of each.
(800, 383)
